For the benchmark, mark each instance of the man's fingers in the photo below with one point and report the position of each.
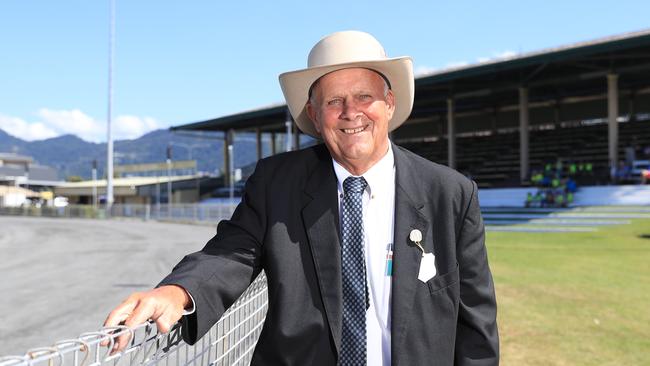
(166, 320)
(141, 313)
(163, 305)
(119, 315)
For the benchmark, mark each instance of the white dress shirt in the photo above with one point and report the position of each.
(378, 202)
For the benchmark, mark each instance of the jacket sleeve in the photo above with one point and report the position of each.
(477, 339)
(218, 274)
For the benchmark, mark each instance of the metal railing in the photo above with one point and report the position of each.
(229, 342)
(212, 213)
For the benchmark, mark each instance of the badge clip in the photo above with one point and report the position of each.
(428, 262)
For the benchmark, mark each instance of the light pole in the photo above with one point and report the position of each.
(169, 179)
(109, 136)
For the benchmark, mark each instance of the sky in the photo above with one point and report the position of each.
(178, 62)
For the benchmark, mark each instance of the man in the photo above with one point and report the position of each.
(373, 255)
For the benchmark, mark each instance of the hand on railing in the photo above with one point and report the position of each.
(163, 305)
(145, 345)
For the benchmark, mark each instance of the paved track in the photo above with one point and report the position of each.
(61, 277)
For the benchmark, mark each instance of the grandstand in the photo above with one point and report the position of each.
(493, 160)
(498, 121)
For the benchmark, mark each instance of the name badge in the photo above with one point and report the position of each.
(428, 261)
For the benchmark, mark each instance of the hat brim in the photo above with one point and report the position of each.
(398, 70)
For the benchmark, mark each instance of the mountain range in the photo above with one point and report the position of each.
(72, 156)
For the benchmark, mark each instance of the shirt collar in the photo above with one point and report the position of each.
(376, 176)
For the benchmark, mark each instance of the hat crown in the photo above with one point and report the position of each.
(344, 47)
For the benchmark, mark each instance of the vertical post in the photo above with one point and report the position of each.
(451, 134)
(157, 195)
(612, 116)
(226, 158)
(287, 124)
(231, 174)
(296, 139)
(258, 135)
(523, 134)
(631, 104)
(495, 120)
(94, 174)
(109, 136)
(273, 150)
(169, 180)
(557, 116)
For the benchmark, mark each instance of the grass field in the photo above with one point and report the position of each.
(573, 298)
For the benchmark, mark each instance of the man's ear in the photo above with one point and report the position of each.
(311, 112)
(390, 104)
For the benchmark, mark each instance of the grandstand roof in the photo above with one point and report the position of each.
(561, 74)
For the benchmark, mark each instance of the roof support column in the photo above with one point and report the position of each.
(557, 116)
(524, 163)
(494, 118)
(612, 119)
(273, 150)
(227, 141)
(296, 138)
(287, 124)
(258, 136)
(631, 107)
(451, 135)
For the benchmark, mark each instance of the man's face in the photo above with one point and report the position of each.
(351, 109)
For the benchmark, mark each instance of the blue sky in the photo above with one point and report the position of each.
(180, 62)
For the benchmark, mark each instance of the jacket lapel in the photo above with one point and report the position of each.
(406, 256)
(320, 216)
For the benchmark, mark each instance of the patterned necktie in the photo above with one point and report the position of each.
(353, 273)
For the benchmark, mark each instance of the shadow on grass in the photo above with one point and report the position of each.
(644, 236)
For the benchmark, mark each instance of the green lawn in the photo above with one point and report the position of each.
(573, 298)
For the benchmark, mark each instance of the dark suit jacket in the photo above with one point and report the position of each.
(287, 225)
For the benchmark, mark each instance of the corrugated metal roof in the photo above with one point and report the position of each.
(127, 181)
(272, 117)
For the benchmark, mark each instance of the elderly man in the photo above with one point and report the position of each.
(373, 255)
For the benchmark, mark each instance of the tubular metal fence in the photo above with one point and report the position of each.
(229, 342)
(213, 212)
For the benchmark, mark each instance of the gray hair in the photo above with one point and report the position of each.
(313, 86)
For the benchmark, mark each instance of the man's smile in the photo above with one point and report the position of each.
(352, 131)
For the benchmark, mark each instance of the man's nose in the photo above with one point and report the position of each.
(350, 110)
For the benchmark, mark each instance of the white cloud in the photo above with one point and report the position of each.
(22, 129)
(73, 122)
(501, 55)
(456, 64)
(424, 70)
(52, 123)
(130, 127)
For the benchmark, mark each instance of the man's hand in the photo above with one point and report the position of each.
(163, 305)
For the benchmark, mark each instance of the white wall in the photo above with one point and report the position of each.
(586, 196)
(506, 197)
(614, 195)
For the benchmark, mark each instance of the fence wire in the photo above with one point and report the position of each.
(188, 212)
(229, 342)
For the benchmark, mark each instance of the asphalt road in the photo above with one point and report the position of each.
(61, 277)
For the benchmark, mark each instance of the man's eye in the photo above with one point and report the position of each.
(365, 97)
(334, 102)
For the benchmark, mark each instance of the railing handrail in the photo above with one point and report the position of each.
(148, 346)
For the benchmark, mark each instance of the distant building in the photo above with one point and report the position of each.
(24, 182)
(20, 170)
(141, 190)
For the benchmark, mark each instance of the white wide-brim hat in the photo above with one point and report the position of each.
(343, 50)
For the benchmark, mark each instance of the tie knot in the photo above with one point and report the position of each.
(354, 185)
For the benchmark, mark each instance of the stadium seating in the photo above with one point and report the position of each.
(493, 160)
